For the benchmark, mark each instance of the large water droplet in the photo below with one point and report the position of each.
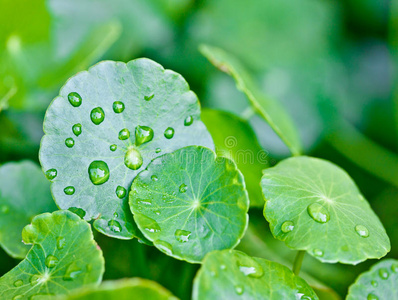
(249, 267)
(362, 231)
(51, 261)
(163, 246)
(124, 134)
(143, 134)
(317, 252)
(239, 289)
(69, 190)
(114, 226)
(78, 211)
(169, 133)
(318, 212)
(147, 223)
(113, 147)
(372, 297)
(97, 115)
(188, 121)
(148, 98)
(75, 99)
(61, 242)
(72, 271)
(383, 273)
(51, 174)
(182, 235)
(183, 188)
(77, 129)
(18, 283)
(99, 172)
(287, 226)
(118, 107)
(34, 279)
(133, 159)
(69, 142)
(121, 192)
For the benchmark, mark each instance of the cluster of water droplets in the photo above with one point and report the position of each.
(383, 274)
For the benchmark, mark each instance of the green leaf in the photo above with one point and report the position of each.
(232, 275)
(124, 289)
(268, 108)
(380, 282)
(313, 205)
(24, 193)
(235, 139)
(106, 126)
(63, 256)
(190, 203)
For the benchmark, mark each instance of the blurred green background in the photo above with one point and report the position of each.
(331, 64)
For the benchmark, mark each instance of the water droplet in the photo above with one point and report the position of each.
(394, 268)
(239, 289)
(118, 107)
(77, 129)
(147, 223)
(287, 226)
(99, 172)
(72, 271)
(133, 159)
(317, 252)
(158, 150)
(51, 174)
(69, 142)
(157, 212)
(144, 202)
(18, 283)
(188, 121)
(121, 192)
(148, 98)
(114, 226)
(34, 279)
(113, 147)
(182, 235)
(78, 211)
(305, 298)
(124, 134)
(383, 273)
(362, 231)
(374, 283)
(143, 134)
(372, 297)
(164, 246)
(169, 133)
(97, 115)
(75, 99)
(69, 190)
(248, 266)
(17, 297)
(154, 178)
(115, 215)
(51, 261)
(183, 188)
(318, 212)
(61, 242)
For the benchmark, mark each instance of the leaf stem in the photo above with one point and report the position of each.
(298, 262)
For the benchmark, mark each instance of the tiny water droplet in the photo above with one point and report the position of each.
(169, 133)
(77, 129)
(394, 268)
(182, 235)
(372, 297)
(18, 283)
(69, 142)
(183, 188)
(97, 115)
(75, 99)
(133, 159)
(154, 178)
(121, 192)
(34, 279)
(374, 283)
(51, 261)
(148, 98)
(317, 252)
(98, 172)
(164, 246)
(114, 226)
(69, 190)
(383, 273)
(113, 147)
(144, 202)
(188, 121)
(318, 212)
(362, 231)
(143, 134)
(124, 134)
(51, 174)
(61, 242)
(287, 226)
(72, 271)
(118, 107)
(157, 212)
(148, 224)
(115, 215)
(158, 150)
(239, 289)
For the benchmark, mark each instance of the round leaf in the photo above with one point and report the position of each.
(313, 205)
(106, 126)
(124, 289)
(380, 282)
(231, 274)
(63, 256)
(24, 193)
(190, 203)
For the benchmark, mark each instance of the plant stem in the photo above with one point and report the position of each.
(298, 261)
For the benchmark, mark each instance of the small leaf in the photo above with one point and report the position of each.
(24, 193)
(63, 256)
(231, 274)
(124, 289)
(268, 108)
(121, 131)
(235, 139)
(313, 205)
(380, 282)
(190, 203)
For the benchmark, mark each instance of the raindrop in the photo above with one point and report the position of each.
(148, 224)
(182, 235)
(249, 267)
(169, 133)
(362, 231)
(69, 190)
(51, 174)
(72, 271)
(77, 129)
(148, 98)
(183, 188)
(145, 202)
(61, 242)
(34, 279)
(98, 172)
(188, 121)
(287, 226)
(51, 261)
(158, 150)
(143, 134)
(75, 99)
(124, 134)
(18, 283)
(154, 178)
(69, 142)
(383, 273)
(239, 289)
(318, 212)
(114, 226)
(163, 246)
(78, 211)
(118, 107)
(394, 268)
(133, 159)
(121, 192)
(372, 297)
(374, 283)
(317, 252)
(113, 147)
(97, 115)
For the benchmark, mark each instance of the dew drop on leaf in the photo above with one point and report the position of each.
(61, 242)
(77, 129)
(118, 107)
(148, 98)
(158, 150)
(372, 297)
(97, 115)
(287, 226)
(164, 246)
(317, 252)
(383, 273)
(34, 279)
(78, 211)
(188, 121)
(154, 178)
(114, 226)
(18, 283)
(143, 134)
(72, 271)
(362, 231)
(182, 235)
(133, 159)
(394, 268)
(239, 289)
(124, 134)
(146, 202)
(121, 192)
(69, 142)
(169, 133)
(249, 267)
(51, 174)
(113, 147)
(148, 224)
(51, 261)
(98, 172)
(318, 212)
(75, 99)
(69, 190)
(374, 283)
(183, 188)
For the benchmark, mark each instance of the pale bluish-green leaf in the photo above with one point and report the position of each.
(190, 202)
(24, 193)
(124, 289)
(231, 275)
(379, 283)
(105, 127)
(314, 205)
(235, 139)
(267, 107)
(63, 257)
